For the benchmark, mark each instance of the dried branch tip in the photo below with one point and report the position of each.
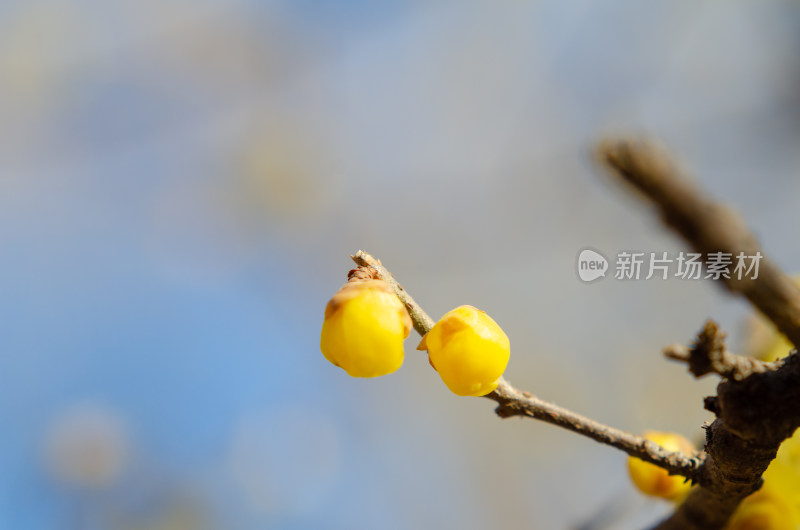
(708, 354)
(362, 273)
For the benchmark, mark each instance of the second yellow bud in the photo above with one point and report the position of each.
(469, 350)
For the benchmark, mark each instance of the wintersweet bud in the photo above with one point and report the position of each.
(777, 503)
(763, 511)
(767, 344)
(468, 349)
(364, 327)
(653, 480)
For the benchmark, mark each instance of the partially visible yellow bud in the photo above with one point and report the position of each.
(776, 506)
(468, 349)
(779, 349)
(653, 480)
(783, 473)
(763, 511)
(364, 327)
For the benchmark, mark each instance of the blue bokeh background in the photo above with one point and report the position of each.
(181, 184)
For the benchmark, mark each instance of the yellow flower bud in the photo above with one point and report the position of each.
(777, 503)
(653, 480)
(364, 327)
(468, 349)
(773, 346)
(763, 511)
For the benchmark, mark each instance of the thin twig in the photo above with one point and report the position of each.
(514, 402)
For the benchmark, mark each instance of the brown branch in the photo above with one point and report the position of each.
(757, 407)
(760, 408)
(706, 225)
(708, 355)
(514, 402)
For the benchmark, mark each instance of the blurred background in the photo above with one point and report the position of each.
(182, 182)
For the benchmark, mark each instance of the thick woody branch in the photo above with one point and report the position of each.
(514, 402)
(706, 225)
(757, 404)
